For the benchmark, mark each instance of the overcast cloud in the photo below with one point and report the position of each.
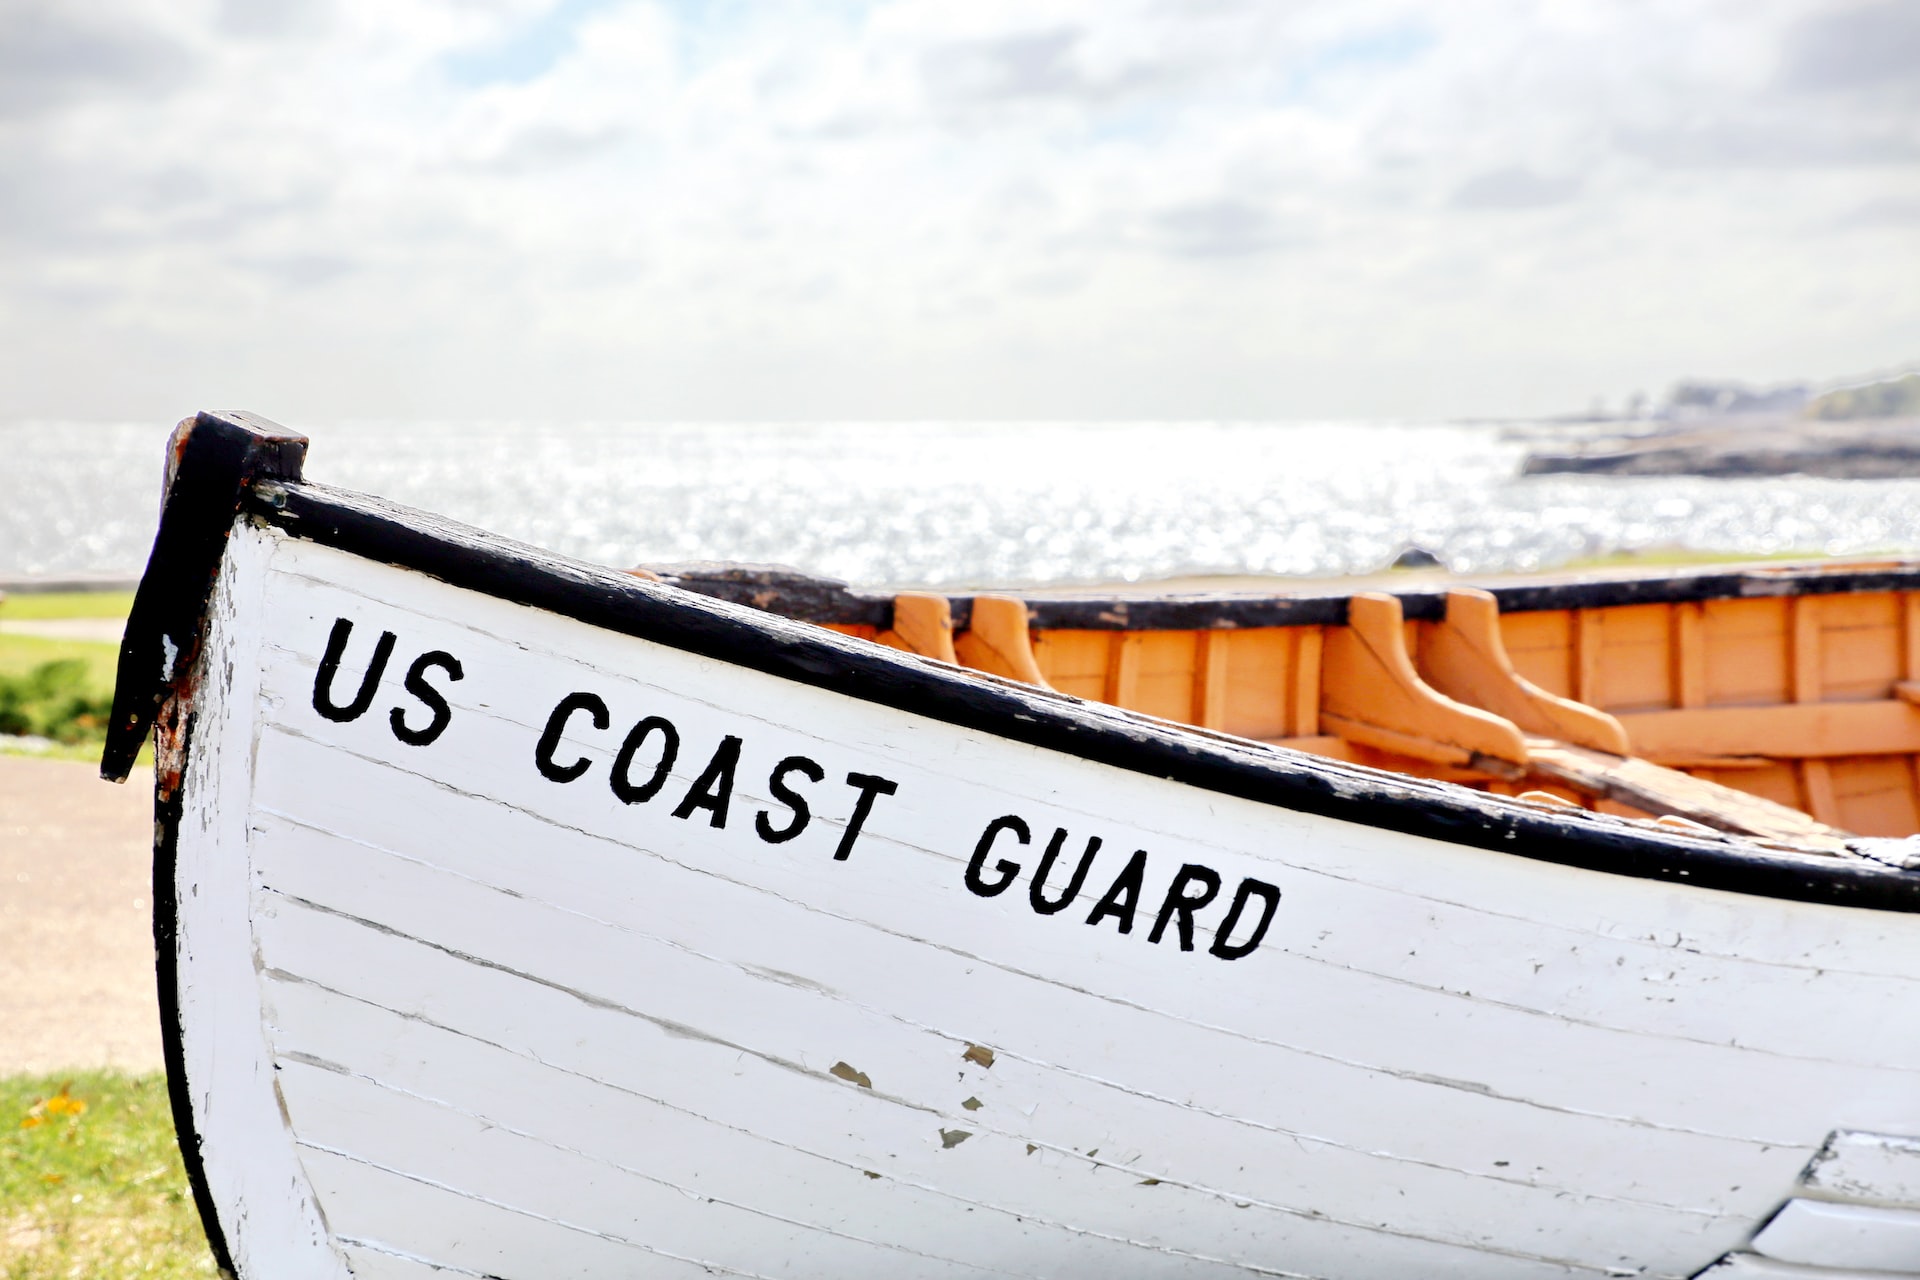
(906, 209)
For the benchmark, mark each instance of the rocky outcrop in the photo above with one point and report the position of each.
(1874, 449)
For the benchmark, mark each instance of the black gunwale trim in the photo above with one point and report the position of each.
(798, 595)
(737, 634)
(167, 810)
(212, 459)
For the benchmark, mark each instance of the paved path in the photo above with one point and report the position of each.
(76, 941)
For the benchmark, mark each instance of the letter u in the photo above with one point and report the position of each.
(330, 667)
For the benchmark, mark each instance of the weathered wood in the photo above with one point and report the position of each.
(998, 640)
(1658, 790)
(792, 593)
(1303, 693)
(1874, 1168)
(446, 986)
(1464, 658)
(922, 624)
(1211, 656)
(1371, 694)
(699, 985)
(1689, 655)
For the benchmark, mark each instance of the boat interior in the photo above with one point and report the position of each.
(1780, 703)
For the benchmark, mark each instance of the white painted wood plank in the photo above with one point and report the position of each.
(273, 1226)
(890, 952)
(1547, 973)
(1178, 1141)
(1823, 1234)
(1723, 924)
(380, 1206)
(810, 1110)
(1354, 1018)
(1873, 1167)
(1665, 988)
(600, 1120)
(634, 1198)
(1052, 1028)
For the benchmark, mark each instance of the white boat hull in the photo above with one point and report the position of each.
(439, 1012)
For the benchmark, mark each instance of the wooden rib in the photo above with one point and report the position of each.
(1689, 654)
(1649, 787)
(1816, 776)
(1464, 658)
(1586, 656)
(998, 641)
(1123, 669)
(1371, 694)
(1804, 628)
(1908, 687)
(1210, 679)
(1303, 698)
(1910, 636)
(921, 624)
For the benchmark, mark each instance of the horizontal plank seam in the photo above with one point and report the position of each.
(385, 1250)
(494, 1122)
(1018, 1215)
(1304, 1215)
(491, 1203)
(1126, 1089)
(1200, 929)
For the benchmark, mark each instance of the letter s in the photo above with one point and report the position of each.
(430, 697)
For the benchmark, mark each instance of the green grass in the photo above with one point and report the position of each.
(20, 606)
(91, 1183)
(99, 661)
(68, 705)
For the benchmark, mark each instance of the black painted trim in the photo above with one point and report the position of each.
(796, 595)
(742, 636)
(167, 807)
(214, 457)
(212, 460)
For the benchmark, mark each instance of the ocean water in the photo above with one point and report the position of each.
(959, 504)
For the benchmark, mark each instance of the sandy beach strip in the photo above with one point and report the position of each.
(76, 934)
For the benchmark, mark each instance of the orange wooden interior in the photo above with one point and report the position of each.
(1807, 701)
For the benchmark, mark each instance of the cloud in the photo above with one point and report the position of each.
(53, 55)
(1221, 229)
(912, 207)
(1514, 188)
(1863, 47)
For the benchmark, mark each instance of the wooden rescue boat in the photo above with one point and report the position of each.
(521, 918)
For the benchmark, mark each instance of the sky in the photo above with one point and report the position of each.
(903, 209)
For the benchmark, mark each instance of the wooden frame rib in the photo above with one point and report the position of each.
(1372, 694)
(1465, 658)
(999, 641)
(922, 624)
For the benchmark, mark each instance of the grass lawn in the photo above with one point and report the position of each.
(20, 606)
(91, 1183)
(21, 655)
